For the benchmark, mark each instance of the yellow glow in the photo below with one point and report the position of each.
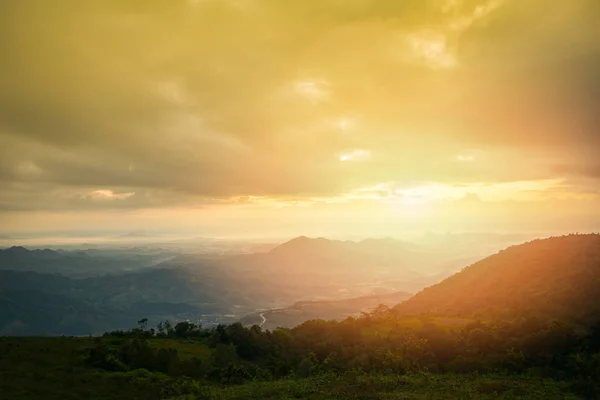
(356, 155)
(433, 49)
(109, 195)
(315, 91)
(292, 115)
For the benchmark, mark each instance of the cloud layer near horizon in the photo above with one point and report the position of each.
(153, 104)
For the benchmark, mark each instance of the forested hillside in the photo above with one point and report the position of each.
(557, 277)
(301, 311)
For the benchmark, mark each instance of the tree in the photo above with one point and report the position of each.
(143, 324)
(185, 329)
(168, 328)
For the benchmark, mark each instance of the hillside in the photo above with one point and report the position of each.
(555, 277)
(32, 303)
(78, 264)
(301, 311)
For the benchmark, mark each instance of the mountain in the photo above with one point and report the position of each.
(374, 260)
(29, 312)
(50, 304)
(174, 285)
(118, 284)
(77, 264)
(131, 283)
(308, 269)
(556, 277)
(322, 247)
(311, 247)
(35, 312)
(301, 311)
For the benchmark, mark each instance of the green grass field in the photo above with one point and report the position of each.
(54, 368)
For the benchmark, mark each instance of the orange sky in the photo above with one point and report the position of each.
(319, 117)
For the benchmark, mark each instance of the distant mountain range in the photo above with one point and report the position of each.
(35, 303)
(93, 290)
(78, 264)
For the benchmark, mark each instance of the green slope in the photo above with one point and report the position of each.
(556, 278)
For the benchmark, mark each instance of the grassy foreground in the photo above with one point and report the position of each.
(412, 386)
(54, 368)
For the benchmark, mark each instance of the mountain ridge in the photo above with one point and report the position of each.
(556, 277)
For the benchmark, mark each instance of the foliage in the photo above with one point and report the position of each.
(376, 343)
(556, 277)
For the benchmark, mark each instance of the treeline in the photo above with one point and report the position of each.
(377, 342)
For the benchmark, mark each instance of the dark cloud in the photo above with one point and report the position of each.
(538, 84)
(178, 101)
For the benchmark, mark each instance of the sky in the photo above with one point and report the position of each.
(317, 117)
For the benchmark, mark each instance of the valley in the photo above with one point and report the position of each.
(92, 290)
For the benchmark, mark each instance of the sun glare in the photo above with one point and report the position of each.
(356, 155)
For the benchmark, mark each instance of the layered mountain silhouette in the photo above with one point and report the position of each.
(321, 278)
(115, 288)
(35, 303)
(76, 264)
(322, 269)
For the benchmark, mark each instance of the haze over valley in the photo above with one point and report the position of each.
(90, 289)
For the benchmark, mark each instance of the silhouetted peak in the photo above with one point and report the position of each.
(299, 239)
(46, 252)
(302, 243)
(17, 250)
(303, 240)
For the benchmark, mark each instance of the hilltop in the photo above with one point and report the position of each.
(556, 277)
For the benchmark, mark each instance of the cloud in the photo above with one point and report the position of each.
(483, 191)
(105, 194)
(588, 170)
(465, 159)
(431, 49)
(178, 102)
(533, 66)
(355, 156)
(314, 91)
